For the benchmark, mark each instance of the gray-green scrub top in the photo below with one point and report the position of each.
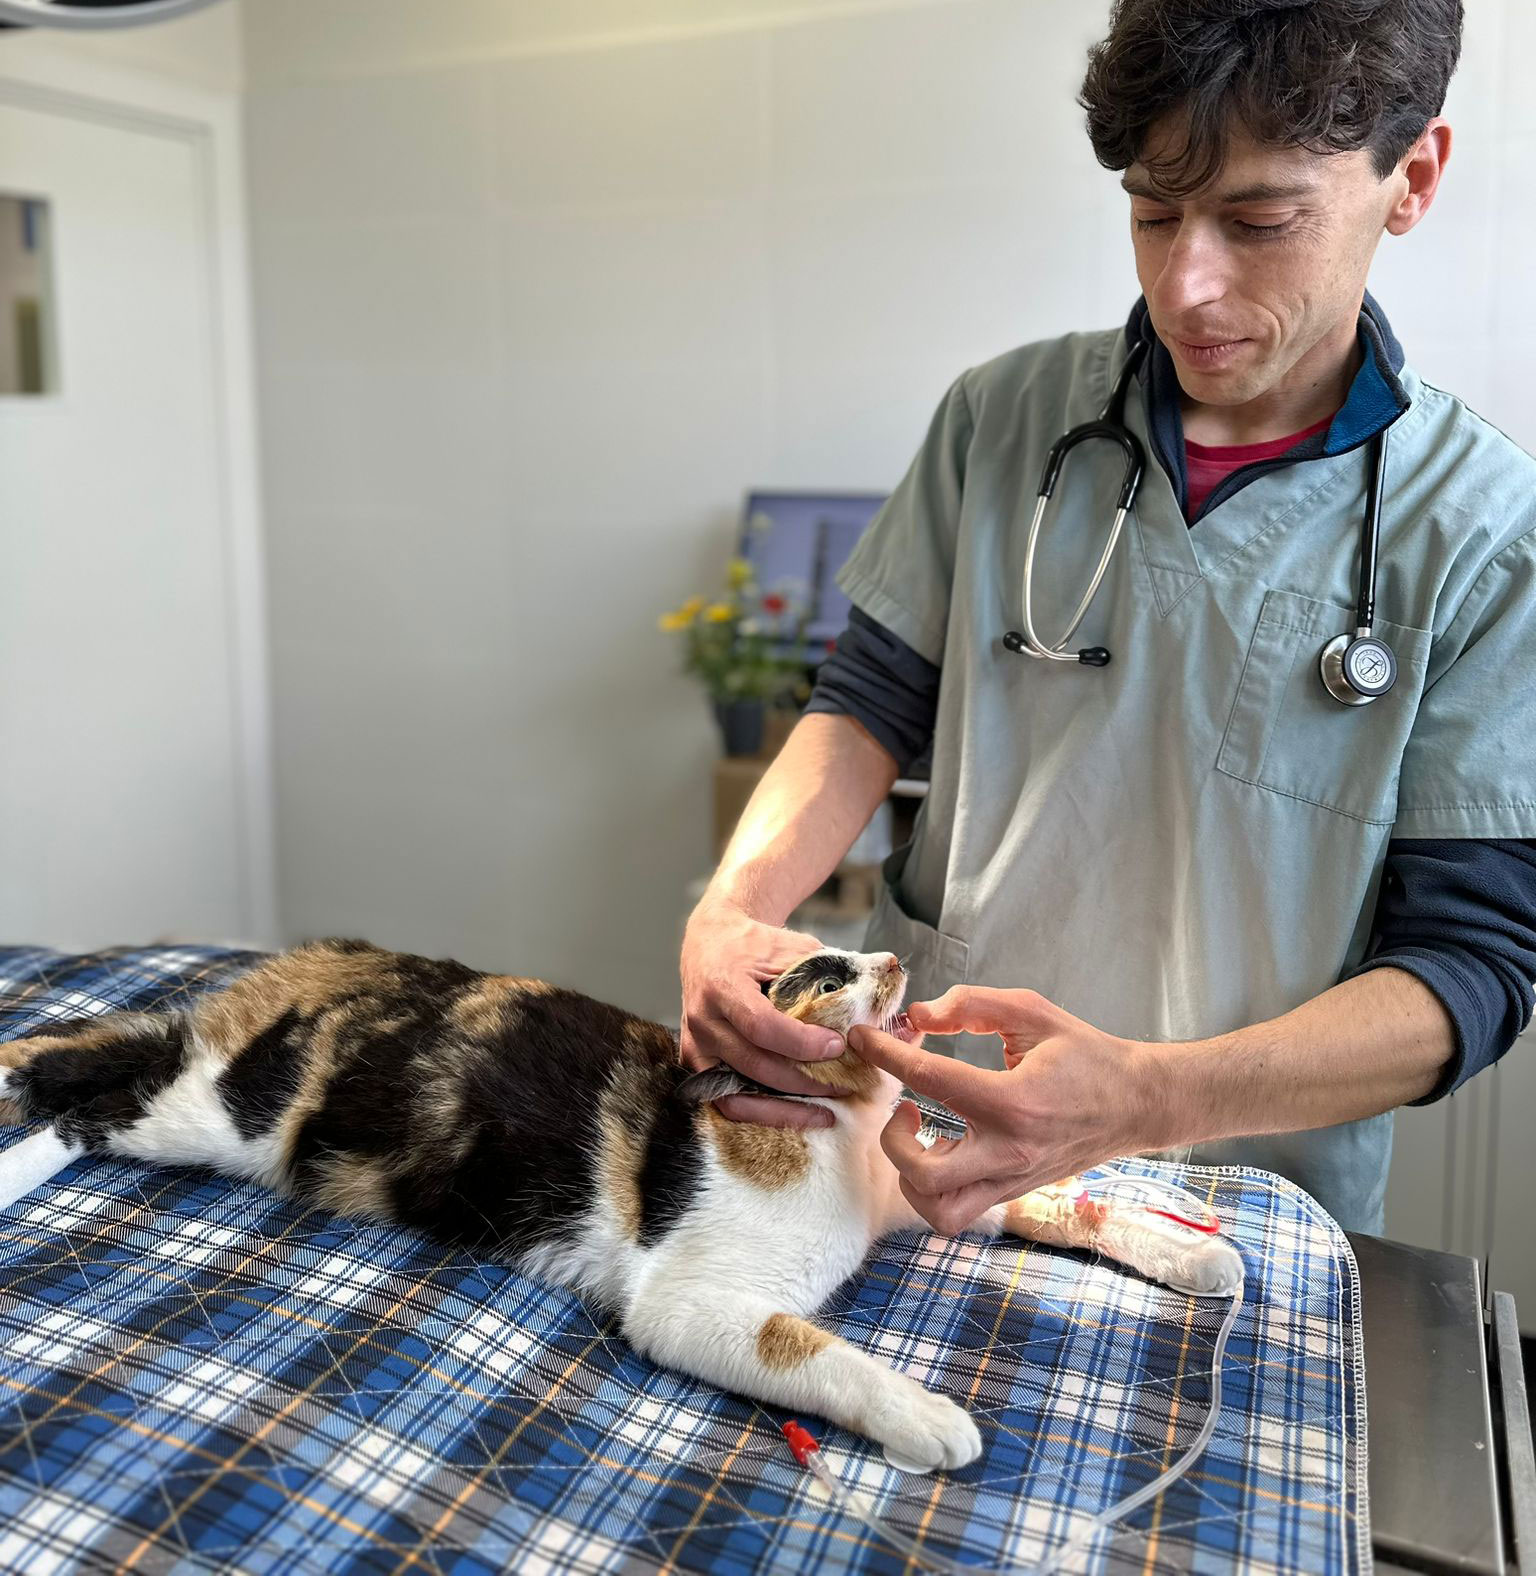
(1190, 839)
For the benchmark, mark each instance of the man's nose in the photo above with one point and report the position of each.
(1194, 272)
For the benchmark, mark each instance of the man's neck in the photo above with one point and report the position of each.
(1309, 393)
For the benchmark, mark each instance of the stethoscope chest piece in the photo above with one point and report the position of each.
(1357, 669)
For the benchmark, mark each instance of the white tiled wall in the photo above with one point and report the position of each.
(542, 288)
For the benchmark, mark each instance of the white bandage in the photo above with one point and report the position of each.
(27, 1165)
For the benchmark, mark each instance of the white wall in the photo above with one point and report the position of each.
(542, 288)
(172, 85)
(202, 50)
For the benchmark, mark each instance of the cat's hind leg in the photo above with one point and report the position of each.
(87, 1077)
(742, 1342)
(136, 1085)
(91, 1075)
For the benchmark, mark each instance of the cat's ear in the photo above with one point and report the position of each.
(714, 1083)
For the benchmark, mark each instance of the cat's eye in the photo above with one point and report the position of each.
(829, 987)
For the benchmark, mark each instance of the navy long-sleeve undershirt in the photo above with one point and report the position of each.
(1458, 914)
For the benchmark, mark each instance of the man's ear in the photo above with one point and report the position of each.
(1420, 170)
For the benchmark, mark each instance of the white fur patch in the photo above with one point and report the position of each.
(188, 1124)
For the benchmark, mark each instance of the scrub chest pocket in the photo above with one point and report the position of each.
(1288, 735)
(934, 959)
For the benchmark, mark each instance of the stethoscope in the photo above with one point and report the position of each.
(1355, 669)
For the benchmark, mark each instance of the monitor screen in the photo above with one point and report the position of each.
(799, 541)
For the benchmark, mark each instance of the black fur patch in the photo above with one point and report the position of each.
(260, 1083)
(808, 975)
(669, 1176)
(528, 1098)
(91, 1090)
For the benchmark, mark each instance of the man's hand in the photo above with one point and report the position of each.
(1071, 1098)
(726, 1017)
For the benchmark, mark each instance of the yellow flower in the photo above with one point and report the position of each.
(738, 574)
(718, 613)
(691, 608)
(672, 621)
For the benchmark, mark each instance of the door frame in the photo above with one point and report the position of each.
(41, 74)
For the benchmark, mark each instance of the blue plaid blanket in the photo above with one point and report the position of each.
(196, 1376)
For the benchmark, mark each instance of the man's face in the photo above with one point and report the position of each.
(1257, 276)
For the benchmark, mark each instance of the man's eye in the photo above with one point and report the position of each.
(829, 987)
(1146, 225)
(1262, 229)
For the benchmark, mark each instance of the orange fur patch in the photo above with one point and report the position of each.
(768, 1157)
(482, 1011)
(847, 1074)
(620, 1153)
(785, 1341)
(354, 1185)
(306, 980)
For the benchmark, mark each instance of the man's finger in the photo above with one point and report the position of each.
(766, 1112)
(760, 1023)
(952, 1213)
(976, 1009)
(949, 1165)
(955, 1083)
(716, 1043)
(789, 947)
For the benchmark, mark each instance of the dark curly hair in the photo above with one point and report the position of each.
(1332, 76)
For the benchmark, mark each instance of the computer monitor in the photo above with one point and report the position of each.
(802, 539)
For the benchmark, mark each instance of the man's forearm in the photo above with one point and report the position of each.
(813, 801)
(1367, 1045)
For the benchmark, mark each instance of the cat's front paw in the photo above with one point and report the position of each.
(923, 1432)
(1213, 1268)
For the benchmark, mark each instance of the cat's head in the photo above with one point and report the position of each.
(834, 990)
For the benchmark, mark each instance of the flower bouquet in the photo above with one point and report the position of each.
(747, 649)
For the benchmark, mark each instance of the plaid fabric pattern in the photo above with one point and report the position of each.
(197, 1376)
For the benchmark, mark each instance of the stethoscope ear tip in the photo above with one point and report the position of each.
(1013, 641)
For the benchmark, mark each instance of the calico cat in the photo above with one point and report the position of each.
(533, 1124)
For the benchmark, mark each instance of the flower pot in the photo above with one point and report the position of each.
(741, 725)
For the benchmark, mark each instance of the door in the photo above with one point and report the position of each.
(122, 785)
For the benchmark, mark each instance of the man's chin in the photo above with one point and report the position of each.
(1233, 385)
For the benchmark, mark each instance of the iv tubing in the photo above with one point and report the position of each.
(808, 1454)
(927, 1559)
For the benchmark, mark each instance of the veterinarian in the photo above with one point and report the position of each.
(1212, 909)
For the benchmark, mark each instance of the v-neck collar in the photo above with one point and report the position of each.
(1376, 398)
(1177, 556)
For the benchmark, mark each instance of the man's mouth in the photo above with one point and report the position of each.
(1207, 352)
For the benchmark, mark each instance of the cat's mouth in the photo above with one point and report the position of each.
(889, 1015)
(900, 1025)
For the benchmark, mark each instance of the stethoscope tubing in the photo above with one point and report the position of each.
(1355, 671)
(1110, 425)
